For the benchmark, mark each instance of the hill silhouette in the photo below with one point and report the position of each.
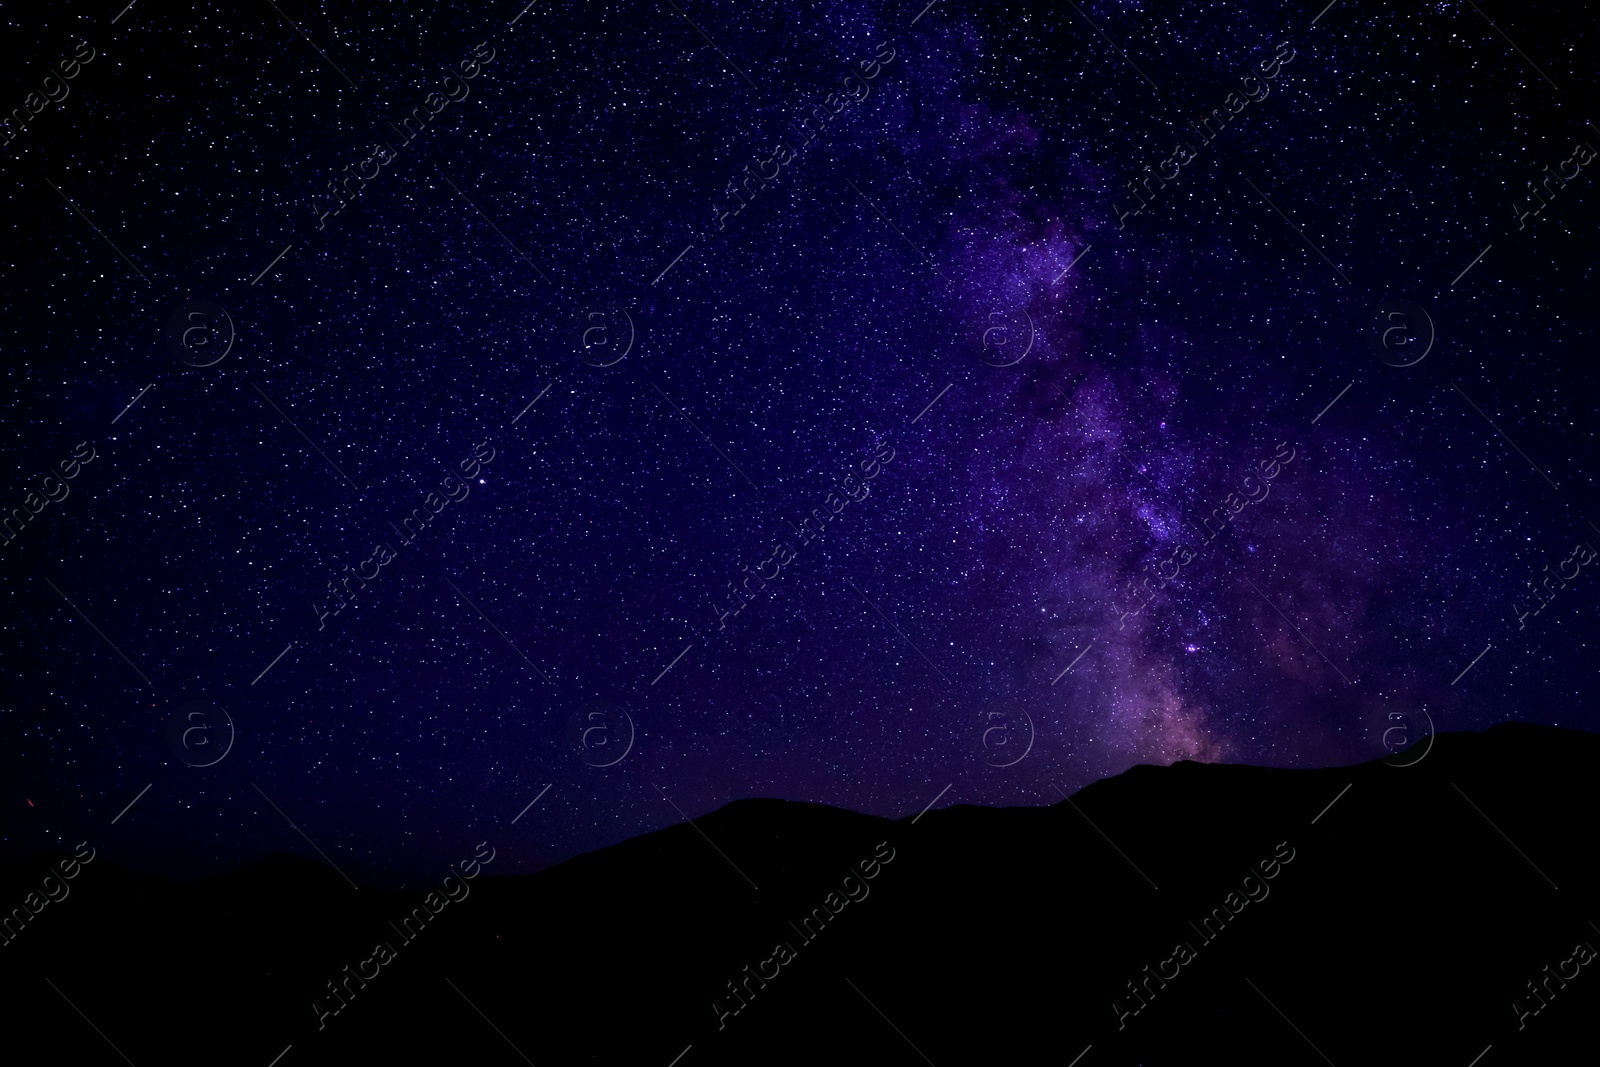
(1191, 913)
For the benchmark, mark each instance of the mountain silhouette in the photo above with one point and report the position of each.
(1438, 912)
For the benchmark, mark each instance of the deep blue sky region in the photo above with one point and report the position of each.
(546, 422)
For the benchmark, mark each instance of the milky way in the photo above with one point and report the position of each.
(1233, 365)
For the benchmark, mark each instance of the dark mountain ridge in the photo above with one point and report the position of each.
(1372, 913)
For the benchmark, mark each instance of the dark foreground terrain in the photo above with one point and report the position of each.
(1434, 913)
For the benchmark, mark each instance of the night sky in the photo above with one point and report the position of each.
(681, 402)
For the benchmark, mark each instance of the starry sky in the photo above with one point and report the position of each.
(546, 423)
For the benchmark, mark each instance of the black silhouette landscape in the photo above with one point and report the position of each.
(1429, 913)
